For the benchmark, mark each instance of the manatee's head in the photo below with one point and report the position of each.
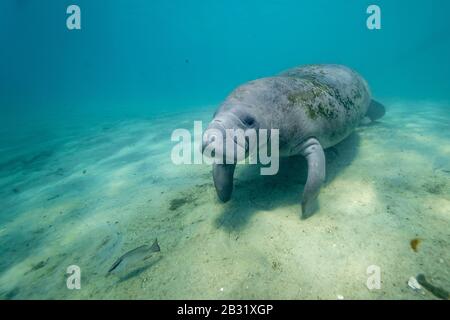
(231, 133)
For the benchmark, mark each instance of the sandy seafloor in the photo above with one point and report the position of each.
(88, 196)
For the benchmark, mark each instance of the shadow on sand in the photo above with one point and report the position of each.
(254, 192)
(136, 272)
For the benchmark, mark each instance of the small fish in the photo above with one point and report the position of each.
(136, 255)
(436, 291)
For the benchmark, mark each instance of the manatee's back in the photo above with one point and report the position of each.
(338, 98)
(347, 84)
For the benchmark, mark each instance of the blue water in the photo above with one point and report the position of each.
(138, 57)
(138, 60)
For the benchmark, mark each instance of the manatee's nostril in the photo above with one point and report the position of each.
(207, 140)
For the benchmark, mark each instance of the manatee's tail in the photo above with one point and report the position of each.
(376, 110)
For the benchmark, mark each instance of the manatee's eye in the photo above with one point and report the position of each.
(248, 120)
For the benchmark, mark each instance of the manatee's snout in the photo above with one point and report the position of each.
(220, 140)
(213, 133)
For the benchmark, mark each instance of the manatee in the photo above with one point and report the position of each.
(314, 107)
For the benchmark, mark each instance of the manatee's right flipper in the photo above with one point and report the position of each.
(376, 110)
(223, 180)
(313, 152)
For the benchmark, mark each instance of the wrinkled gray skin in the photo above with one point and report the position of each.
(314, 107)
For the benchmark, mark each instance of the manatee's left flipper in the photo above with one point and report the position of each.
(223, 180)
(313, 152)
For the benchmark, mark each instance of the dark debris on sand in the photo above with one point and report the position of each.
(414, 243)
(39, 265)
(434, 187)
(179, 202)
(184, 199)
